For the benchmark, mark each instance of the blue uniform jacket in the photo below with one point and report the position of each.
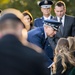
(37, 36)
(38, 22)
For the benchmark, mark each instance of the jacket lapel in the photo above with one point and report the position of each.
(51, 17)
(42, 18)
(65, 25)
(58, 33)
(55, 18)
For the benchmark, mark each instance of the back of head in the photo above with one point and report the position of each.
(71, 41)
(60, 3)
(62, 53)
(63, 42)
(9, 20)
(62, 45)
(13, 18)
(17, 13)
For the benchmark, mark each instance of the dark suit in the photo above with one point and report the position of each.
(38, 22)
(59, 67)
(69, 27)
(37, 36)
(17, 59)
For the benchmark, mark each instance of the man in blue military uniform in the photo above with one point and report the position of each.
(39, 36)
(46, 11)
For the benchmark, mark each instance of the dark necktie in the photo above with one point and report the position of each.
(61, 26)
(52, 42)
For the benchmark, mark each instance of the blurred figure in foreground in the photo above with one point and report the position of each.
(28, 18)
(64, 60)
(23, 35)
(17, 59)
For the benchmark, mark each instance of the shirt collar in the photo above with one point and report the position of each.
(47, 18)
(59, 18)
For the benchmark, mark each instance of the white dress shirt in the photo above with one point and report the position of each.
(63, 19)
(47, 18)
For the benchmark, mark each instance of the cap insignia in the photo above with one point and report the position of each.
(46, 2)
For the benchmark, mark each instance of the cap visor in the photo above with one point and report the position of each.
(45, 6)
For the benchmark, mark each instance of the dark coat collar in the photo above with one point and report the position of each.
(10, 38)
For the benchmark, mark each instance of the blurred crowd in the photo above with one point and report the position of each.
(41, 46)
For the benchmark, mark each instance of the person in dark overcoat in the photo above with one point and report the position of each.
(16, 58)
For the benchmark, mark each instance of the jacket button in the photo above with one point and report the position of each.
(48, 45)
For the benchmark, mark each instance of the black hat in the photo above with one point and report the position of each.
(53, 23)
(45, 3)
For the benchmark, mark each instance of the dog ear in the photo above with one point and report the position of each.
(71, 42)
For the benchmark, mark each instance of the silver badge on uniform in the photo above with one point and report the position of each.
(46, 2)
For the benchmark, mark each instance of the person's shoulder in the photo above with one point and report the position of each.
(33, 30)
(37, 19)
(37, 29)
(70, 16)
